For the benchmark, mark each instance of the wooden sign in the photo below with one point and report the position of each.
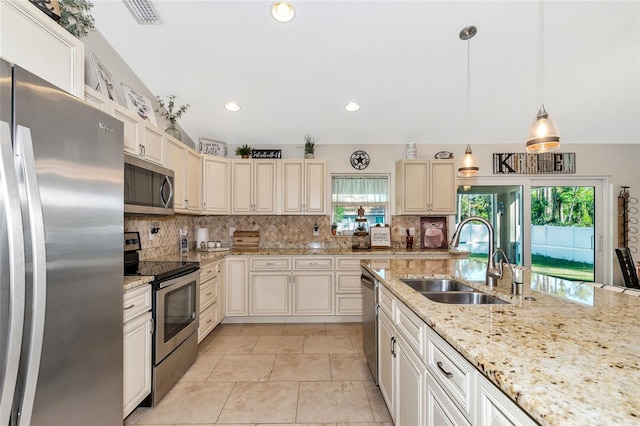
(380, 236)
(534, 164)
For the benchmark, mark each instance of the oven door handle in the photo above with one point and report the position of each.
(181, 278)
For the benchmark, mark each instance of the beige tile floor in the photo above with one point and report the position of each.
(274, 374)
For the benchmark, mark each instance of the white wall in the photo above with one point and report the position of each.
(122, 73)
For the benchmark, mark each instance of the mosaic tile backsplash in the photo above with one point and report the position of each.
(275, 231)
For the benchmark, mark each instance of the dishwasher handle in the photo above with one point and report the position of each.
(367, 281)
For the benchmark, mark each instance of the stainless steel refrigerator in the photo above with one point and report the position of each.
(61, 265)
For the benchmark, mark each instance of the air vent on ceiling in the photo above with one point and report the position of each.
(143, 12)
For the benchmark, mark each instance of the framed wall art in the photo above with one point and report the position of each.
(211, 147)
(433, 232)
(139, 104)
(105, 79)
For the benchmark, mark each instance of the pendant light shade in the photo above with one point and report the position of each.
(469, 166)
(543, 134)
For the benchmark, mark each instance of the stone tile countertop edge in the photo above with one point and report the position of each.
(133, 282)
(569, 357)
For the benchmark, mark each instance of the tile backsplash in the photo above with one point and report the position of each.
(275, 231)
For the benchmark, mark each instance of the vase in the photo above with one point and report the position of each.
(309, 156)
(173, 131)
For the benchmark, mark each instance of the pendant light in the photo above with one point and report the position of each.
(469, 167)
(543, 134)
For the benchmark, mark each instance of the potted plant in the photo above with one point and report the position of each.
(244, 151)
(334, 228)
(75, 17)
(171, 113)
(309, 146)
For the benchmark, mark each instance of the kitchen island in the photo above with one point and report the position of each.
(569, 357)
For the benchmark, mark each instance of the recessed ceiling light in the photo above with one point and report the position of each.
(282, 11)
(232, 106)
(352, 106)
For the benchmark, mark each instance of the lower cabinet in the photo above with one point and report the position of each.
(237, 295)
(423, 380)
(136, 356)
(313, 293)
(211, 288)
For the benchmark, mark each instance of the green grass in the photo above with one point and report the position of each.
(566, 269)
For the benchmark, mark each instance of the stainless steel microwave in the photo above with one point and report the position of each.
(148, 188)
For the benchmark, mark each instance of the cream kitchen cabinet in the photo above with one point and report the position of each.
(151, 143)
(211, 294)
(270, 293)
(236, 289)
(253, 186)
(130, 120)
(402, 373)
(97, 100)
(304, 187)
(137, 333)
(216, 185)
(35, 42)
(348, 287)
(187, 182)
(313, 286)
(425, 187)
(424, 380)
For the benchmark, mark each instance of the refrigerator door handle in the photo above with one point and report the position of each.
(166, 202)
(26, 160)
(15, 233)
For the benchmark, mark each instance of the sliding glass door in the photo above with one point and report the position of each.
(554, 226)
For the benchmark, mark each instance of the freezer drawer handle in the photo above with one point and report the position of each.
(24, 150)
(11, 197)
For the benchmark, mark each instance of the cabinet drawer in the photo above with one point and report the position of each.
(413, 329)
(136, 301)
(348, 282)
(207, 294)
(440, 409)
(385, 300)
(452, 372)
(347, 263)
(269, 263)
(311, 262)
(207, 321)
(209, 271)
(349, 304)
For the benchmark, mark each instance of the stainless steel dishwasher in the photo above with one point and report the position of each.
(370, 320)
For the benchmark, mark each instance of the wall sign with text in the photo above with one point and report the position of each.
(534, 164)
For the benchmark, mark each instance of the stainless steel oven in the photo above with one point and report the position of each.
(176, 303)
(176, 317)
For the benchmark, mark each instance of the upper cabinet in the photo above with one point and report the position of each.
(304, 187)
(187, 184)
(96, 100)
(33, 41)
(151, 140)
(131, 134)
(253, 186)
(216, 184)
(425, 187)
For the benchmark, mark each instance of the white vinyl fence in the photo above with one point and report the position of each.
(558, 242)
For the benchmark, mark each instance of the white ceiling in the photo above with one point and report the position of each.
(401, 60)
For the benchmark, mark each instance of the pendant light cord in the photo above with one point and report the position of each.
(468, 83)
(541, 53)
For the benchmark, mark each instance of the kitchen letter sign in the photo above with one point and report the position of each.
(534, 164)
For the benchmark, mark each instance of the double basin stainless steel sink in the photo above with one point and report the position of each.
(444, 290)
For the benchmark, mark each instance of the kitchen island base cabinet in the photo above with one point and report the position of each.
(424, 380)
(136, 353)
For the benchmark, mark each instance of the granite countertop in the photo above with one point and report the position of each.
(133, 282)
(342, 251)
(570, 357)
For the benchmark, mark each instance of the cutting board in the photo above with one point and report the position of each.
(246, 240)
